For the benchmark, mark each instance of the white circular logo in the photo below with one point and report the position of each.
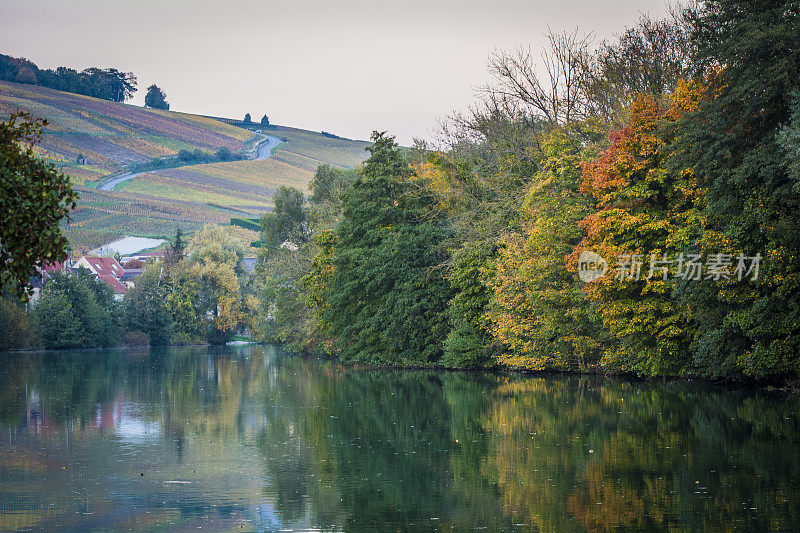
(591, 266)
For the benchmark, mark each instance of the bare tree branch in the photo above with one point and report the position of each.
(551, 88)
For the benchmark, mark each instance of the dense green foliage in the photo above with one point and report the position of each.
(76, 310)
(156, 98)
(108, 83)
(681, 138)
(733, 143)
(384, 300)
(16, 327)
(286, 220)
(34, 198)
(146, 308)
(191, 157)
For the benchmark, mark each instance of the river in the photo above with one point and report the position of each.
(253, 439)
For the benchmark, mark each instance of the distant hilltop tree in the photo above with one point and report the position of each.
(110, 83)
(247, 118)
(106, 83)
(156, 98)
(265, 120)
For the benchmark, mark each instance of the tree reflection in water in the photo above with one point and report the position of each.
(252, 438)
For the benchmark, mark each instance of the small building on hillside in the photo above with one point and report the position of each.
(107, 270)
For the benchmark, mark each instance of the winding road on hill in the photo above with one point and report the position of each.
(263, 151)
(265, 148)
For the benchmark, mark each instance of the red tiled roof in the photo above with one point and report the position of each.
(53, 267)
(116, 285)
(106, 265)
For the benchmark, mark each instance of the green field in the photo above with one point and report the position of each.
(111, 137)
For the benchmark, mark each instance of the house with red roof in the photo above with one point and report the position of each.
(107, 270)
(101, 265)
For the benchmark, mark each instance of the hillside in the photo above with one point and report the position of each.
(111, 137)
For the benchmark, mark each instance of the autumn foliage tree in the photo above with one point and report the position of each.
(538, 310)
(646, 215)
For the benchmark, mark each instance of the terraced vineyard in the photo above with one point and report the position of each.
(111, 136)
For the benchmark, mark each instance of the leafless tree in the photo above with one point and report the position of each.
(648, 58)
(571, 80)
(551, 87)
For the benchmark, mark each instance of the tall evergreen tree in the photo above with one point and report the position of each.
(384, 303)
(176, 252)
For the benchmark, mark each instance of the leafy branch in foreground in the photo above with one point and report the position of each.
(34, 198)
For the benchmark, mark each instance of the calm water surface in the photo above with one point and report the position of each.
(249, 438)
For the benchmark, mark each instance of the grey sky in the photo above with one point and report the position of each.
(347, 67)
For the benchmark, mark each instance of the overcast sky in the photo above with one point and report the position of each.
(346, 66)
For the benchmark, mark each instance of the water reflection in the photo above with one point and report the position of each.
(254, 439)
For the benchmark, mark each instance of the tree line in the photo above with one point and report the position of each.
(670, 152)
(106, 83)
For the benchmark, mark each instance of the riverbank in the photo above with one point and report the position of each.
(787, 383)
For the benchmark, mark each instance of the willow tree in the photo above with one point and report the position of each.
(214, 261)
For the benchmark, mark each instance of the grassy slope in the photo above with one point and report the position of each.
(111, 135)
